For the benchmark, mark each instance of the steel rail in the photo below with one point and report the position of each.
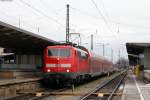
(100, 87)
(117, 86)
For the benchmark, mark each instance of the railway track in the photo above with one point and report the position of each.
(107, 90)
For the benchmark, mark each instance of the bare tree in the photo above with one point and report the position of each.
(122, 63)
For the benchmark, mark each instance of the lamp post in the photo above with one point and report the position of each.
(112, 54)
(92, 42)
(120, 50)
(103, 47)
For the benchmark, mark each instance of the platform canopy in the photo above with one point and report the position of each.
(19, 40)
(134, 50)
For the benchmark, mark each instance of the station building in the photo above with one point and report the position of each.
(139, 56)
(21, 51)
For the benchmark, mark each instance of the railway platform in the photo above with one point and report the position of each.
(17, 81)
(135, 88)
(13, 86)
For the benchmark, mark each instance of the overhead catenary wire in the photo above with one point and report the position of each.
(109, 28)
(100, 13)
(119, 23)
(83, 12)
(50, 9)
(50, 18)
(41, 12)
(128, 25)
(14, 21)
(56, 13)
(111, 21)
(105, 11)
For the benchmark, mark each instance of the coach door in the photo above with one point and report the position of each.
(78, 61)
(83, 61)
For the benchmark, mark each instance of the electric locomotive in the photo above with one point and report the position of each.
(68, 63)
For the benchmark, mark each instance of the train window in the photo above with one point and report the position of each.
(59, 52)
(79, 53)
(82, 55)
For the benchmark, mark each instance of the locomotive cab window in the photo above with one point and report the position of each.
(82, 55)
(59, 52)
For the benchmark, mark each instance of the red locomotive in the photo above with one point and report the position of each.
(69, 63)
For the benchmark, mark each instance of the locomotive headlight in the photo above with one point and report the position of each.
(57, 58)
(67, 70)
(48, 70)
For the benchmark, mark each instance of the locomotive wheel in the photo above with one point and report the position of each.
(108, 74)
(81, 79)
(78, 80)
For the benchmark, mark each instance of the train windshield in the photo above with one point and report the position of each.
(61, 52)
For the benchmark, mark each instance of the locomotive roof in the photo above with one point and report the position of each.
(79, 48)
(73, 45)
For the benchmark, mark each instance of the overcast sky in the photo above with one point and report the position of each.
(113, 22)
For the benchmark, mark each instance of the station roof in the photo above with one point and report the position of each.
(17, 39)
(134, 49)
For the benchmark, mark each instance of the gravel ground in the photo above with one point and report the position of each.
(83, 89)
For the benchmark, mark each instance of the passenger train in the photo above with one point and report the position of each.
(68, 63)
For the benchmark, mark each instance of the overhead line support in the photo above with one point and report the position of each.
(67, 24)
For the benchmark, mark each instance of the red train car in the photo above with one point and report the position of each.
(73, 64)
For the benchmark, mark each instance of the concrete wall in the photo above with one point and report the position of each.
(19, 66)
(24, 62)
(29, 59)
(147, 58)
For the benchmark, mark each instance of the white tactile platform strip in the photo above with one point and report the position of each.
(135, 88)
